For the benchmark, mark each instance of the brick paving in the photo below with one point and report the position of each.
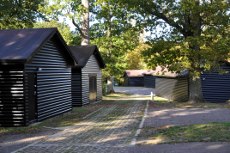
(109, 130)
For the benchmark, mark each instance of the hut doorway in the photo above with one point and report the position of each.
(92, 88)
(32, 96)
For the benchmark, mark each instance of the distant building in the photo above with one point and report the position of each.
(135, 77)
(170, 85)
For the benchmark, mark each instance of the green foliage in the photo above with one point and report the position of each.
(134, 58)
(70, 37)
(113, 50)
(110, 29)
(194, 34)
(114, 34)
(17, 14)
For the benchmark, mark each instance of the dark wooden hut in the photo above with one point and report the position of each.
(215, 85)
(172, 86)
(149, 80)
(35, 72)
(86, 75)
(135, 77)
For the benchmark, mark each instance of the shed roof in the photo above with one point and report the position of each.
(82, 54)
(18, 46)
(164, 72)
(159, 71)
(138, 73)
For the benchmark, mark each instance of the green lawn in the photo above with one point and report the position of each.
(212, 132)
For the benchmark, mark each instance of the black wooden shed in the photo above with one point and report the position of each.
(136, 77)
(86, 75)
(149, 80)
(35, 72)
(215, 85)
(172, 86)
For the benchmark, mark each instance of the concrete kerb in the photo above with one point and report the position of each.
(134, 140)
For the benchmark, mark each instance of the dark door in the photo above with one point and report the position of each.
(92, 88)
(32, 97)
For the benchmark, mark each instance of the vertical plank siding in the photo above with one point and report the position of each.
(53, 81)
(174, 89)
(91, 68)
(12, 108)
(215, 86)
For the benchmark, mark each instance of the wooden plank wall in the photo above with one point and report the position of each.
(12, 105)
(174, 89)
(216, 86)
(90, 68)
(53, 81)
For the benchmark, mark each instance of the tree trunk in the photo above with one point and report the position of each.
(85, 24)
(109, 86)
(195, 90)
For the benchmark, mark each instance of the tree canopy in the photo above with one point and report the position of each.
(182, 34)
(194, 35)
(17, 14)
(69, 36)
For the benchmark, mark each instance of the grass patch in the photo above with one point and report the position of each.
(17, 130)
(67, 119)
(212, 132)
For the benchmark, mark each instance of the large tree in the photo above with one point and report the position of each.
(194, 35)
(75, 11)
(70, 37)
(114, 34)
(16, 14)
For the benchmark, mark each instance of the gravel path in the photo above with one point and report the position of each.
(109, 130)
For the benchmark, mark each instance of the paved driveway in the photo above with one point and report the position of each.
(116, 127)
(109, 130)
(134, 90)
(158, 117)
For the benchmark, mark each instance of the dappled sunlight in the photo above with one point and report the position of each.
(153, 140)
(117, 96)
(185, 116)
(23, 140)
(114, 137)
(214, 146)
(57, 139)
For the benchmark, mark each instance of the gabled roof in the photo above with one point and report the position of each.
(164, 72)
(159, 72)
(82, 54)
(18, 46)
(137, 73)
